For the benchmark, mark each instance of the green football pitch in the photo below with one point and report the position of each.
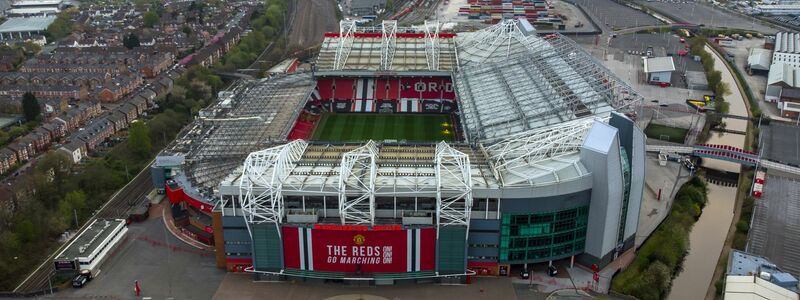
(362, 127)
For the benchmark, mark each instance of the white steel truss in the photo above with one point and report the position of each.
(432, 44)
(262, 177)
(388, 43)
(526, 149)
(357, 185)
(453, 186)
(347, 29)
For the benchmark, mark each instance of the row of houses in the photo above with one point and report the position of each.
(86, 141)
(222, 42)
(53, 131)
(81, 130)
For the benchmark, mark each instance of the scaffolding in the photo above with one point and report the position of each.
(260, 115)
(357, 185)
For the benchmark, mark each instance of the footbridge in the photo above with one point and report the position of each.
(726, 153)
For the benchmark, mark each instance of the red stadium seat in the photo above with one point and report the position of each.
(325, 88)
(344, 89)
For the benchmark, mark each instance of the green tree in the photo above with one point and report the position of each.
(61, 27)
(151, 19)
(139, 139)
(30, 106)
(131, 41)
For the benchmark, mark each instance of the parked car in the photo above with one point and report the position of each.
(81, 279)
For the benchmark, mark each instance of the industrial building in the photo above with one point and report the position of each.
(364, 7)
(92, 246)
(754, 277)
(787, 48)
(25, 28)
(546, 163)
(659, 69)
(759, 61)
(36, 7)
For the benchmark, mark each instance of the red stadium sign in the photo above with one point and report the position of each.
(359, 251)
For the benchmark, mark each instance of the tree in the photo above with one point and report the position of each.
(61, 27)
(139, 139)
(151, 19)
(30, 106)
(131, 41)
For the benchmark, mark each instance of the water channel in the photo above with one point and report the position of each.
(708, 234)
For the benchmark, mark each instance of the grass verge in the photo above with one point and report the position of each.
(666, 133)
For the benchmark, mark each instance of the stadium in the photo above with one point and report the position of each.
(414, 154)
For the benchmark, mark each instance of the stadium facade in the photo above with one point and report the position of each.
(546, 163)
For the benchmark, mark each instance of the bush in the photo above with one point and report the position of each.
(660, 258)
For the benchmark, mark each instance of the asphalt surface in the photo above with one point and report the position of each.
(610, 14)
(164, 266)
(241, 286)
(696, 13)
(781, 143)
(775, 233)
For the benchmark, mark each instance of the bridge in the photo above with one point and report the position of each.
(726, 153)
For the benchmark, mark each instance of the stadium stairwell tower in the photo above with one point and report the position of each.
(453, 208)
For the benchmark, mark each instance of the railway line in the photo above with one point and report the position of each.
(118, 206)
(420, 13)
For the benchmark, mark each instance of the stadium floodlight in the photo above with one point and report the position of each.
(262, 178)
(357, 185)
(347, 29)
(453, 187)
(520, 151)
(432, 44)
(388, 43)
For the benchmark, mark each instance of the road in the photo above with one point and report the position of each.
(116, 207)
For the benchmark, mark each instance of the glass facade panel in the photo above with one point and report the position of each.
(529, 238)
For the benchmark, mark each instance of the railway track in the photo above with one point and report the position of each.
(420, 13)
(117, 206)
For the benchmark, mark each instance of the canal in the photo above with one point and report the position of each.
(708, 234)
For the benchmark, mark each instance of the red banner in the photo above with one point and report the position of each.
(359, 251)
(427, 88)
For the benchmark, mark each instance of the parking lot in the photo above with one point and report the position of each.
(781, 143)
(697, 13)
(165, 267)
(775, 233)
(613, 15)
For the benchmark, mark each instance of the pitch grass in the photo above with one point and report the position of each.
(666, 133)
(379, 127)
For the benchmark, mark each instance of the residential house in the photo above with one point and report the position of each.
(117, 118)
(8, 158)
(95, 133)
(75, 150)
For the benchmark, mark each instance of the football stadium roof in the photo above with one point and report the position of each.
(510, 82)
(387, 48)
(527, 104)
